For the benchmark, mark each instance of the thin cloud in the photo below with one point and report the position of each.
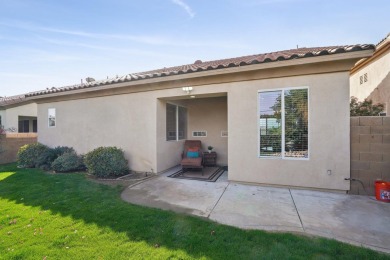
(185, 6)
(110, 50)
(153, 40)
(146, 39)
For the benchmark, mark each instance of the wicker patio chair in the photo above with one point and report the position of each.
(192, 162)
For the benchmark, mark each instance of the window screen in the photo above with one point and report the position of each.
(176, 122)
(35, 126)
(270, 123)
(24, 126)
(284, 123)
(296, 123)
(171, 122)
(182, 123)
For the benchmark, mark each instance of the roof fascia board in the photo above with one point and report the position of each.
(25, 102)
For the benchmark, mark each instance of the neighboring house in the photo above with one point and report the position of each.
(279, 118)
(18, 114)
(370, 77)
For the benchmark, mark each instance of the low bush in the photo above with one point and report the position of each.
(28, 154)
(106, 161)
(45, 160)
(60, 150)
(68, 162)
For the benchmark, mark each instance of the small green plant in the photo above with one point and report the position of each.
(210, 148)
(68, 162)
(28, 154)
(106, 161)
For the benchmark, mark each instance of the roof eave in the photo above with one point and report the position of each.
(354, 55)
(376, 55)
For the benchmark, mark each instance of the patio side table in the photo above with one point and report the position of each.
(209, 159)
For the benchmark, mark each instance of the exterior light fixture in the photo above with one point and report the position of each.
(192, 96)
(187, 89)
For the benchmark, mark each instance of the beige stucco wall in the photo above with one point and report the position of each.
(11, 115)
(126, 121)
(377, 72)
(210, 114)
(328, 134)
(167, 152)
(136, 123)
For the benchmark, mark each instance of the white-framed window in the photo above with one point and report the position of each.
(224, 133)
(51, 117)
(283, 123)
(176, 122)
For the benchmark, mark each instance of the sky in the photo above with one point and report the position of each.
(45, 43)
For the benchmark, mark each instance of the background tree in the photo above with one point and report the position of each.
(295, 117)
(365, 108)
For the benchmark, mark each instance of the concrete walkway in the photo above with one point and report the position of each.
(357, 220)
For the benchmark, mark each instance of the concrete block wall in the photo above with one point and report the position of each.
(9, 147)
(370, 152)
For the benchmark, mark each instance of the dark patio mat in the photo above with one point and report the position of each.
(210, 174)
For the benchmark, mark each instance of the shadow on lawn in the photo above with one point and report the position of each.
(73, 195)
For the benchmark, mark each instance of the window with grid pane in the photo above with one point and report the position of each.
(171, 122)
(283, 123)
(176, 122)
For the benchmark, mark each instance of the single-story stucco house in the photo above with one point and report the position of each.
(18, 115)
(370, 77)
(279, 118)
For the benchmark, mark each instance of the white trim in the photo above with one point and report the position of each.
(283, 157)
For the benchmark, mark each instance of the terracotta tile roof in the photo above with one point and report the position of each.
(200, 66)
(11, 100)
(387, 38)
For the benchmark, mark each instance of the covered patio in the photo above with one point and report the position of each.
(192, 117)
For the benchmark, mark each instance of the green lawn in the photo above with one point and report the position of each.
(66, 216)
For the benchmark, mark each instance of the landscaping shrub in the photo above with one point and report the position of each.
(106, 161)
(60, 150)
(67, 162)
(45, 160)
(28, 154)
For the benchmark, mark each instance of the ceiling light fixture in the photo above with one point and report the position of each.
(187, 89)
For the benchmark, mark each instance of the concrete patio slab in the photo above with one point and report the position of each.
(185, 196)
(255, 207)
(355, 219)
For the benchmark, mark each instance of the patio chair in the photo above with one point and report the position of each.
(192, 156)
